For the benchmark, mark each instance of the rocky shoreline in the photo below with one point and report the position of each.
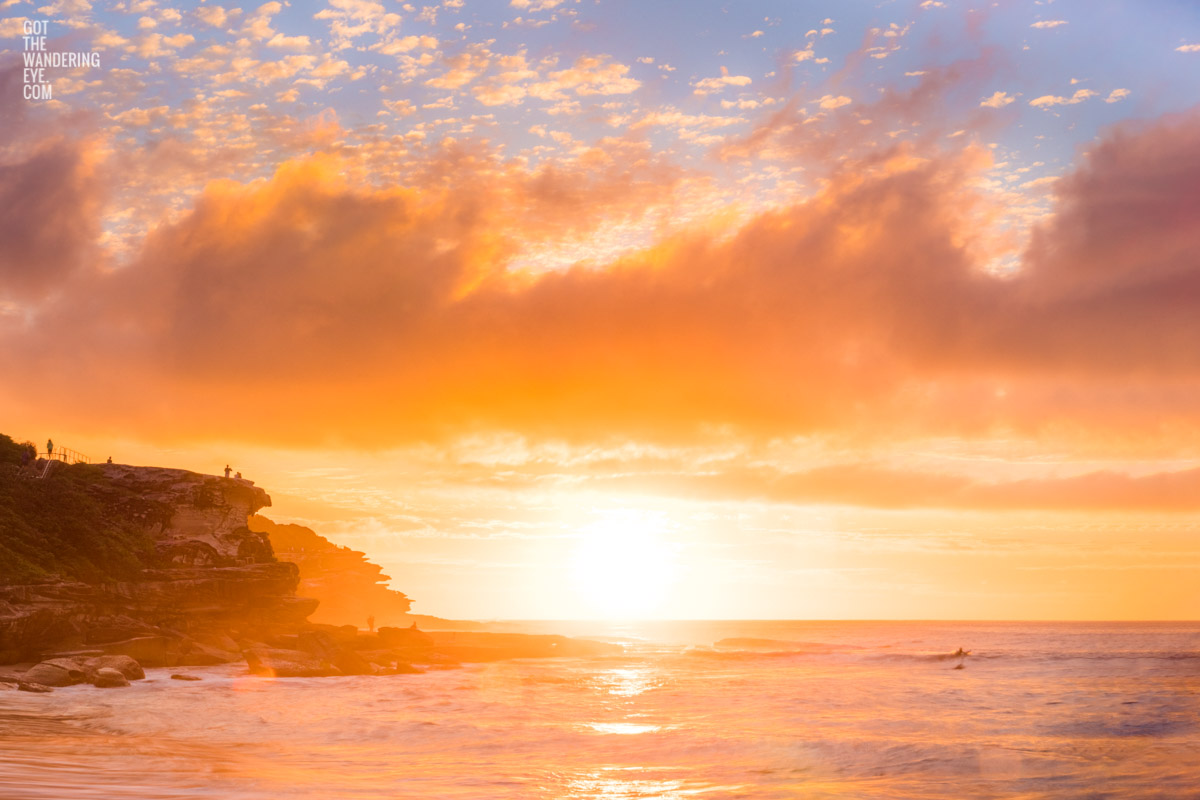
(314, 652)
(203, 589)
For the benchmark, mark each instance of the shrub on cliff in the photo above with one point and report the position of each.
(10, 451)
(65, 526)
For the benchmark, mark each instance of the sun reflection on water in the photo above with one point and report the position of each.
(624, 783)
(628, 681)
(623, 728)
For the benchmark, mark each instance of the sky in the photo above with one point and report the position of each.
(589, 309)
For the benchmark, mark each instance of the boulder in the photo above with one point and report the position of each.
(318, 643)
(109, 678)
(55, 672)
(220, 641)
(150, 651)
(125, 665)
(194, 654)
(181, 677)
(38, 688)
(277, 663)
(351, 663)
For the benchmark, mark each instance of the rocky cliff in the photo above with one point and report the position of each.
(350, 588)
(156, 563)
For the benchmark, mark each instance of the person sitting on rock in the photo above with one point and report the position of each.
(110, 459)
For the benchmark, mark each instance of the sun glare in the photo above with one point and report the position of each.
(623, 568)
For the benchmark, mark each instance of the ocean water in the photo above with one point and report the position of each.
(842, 710)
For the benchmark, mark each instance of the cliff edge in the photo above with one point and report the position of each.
(151, 562)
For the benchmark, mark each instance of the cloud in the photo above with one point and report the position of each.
(1188, 48)
(1048, 100)
(533, 6)
(589, 75)
(49, 220)
(830, 102)
(350, 19)
(281, 42)
(1116, 95)
(405, 44)
(1049, 23)
(710, 85)
(867, 485)
(216, 16)
(863, 310)
(997, 100)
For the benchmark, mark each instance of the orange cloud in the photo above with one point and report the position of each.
(308, 307)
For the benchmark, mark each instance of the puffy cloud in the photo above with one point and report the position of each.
(49, 220)
(258, 24)
(589, 75)
(463, 67)
(862, 310)
(1116, 95)
(710, 85)
(405, 44)
(281, 42)
(830, 102)
(1049, 23)
(1048, 100)
(349, 19)
(216, 16)
(1188, 48)
(997, 100)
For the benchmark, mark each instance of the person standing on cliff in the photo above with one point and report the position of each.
(49, 448)
(371, 623)
(227, 470)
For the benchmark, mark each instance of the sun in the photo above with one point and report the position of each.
(623, 567)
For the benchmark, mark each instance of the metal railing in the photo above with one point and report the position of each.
(66, 455)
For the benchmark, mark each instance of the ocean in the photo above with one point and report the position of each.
(820, 710)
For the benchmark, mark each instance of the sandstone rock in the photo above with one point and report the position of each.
(118, 628)
(181, 677)
(75, 654)
(405, 637)
(127, 666)
(56, 672)
(218, 573)
(39, 688)
(109, 678)
(207, 514)
(219, 640)
(318, 643)
(288, 664)
(401, 669)
(194, 654)
(351, 663)
(150, 651)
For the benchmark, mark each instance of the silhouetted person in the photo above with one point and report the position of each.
(110, 459)
(238, 476)
(49, 447)
(227, 470)
(371, 623)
